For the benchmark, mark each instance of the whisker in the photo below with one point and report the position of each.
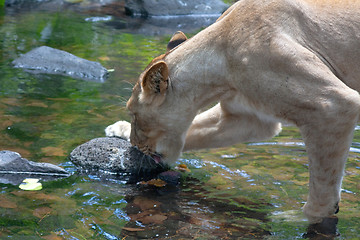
(130, 83)
(141, 163)
(150, 160)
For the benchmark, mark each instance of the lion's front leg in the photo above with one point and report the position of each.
(327, 149)
(119, 129)
(328, 140)
(220, 127)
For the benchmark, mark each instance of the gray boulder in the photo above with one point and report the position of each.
(53, 61)
(115, 156)
(11, 3)
(14, 169)
(147, 8)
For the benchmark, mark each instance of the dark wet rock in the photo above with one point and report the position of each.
(111, 155)
(165, 17)
(112, 13)
(157, 26)
(11, 3)
(147, 8)
(171, 177)
(53, 61)
(14, 169)
(48, 4)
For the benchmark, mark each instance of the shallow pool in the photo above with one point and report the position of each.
(247, 191)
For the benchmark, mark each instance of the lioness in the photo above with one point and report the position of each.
(264, 61)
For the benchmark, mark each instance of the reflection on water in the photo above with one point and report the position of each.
(252, 191)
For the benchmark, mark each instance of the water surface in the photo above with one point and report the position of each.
(249, 191)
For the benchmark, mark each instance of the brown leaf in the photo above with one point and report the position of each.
(104, 58)
(42, 212)
(36, 195)
(52, 236)
(141, 215)
(4, 203)
(156, 218)
(53, 151)
(145, 203)
(133, 229)
(149, 216)
(36, 103)
(182, 168)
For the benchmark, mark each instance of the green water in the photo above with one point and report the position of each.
(248, 191)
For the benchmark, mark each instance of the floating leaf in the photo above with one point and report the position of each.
(31, 184)
(183, 168)
(154, 182)
(104, 58)
(31, 180)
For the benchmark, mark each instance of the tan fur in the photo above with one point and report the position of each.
(264, 61)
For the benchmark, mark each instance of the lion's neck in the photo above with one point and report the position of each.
(198, 73)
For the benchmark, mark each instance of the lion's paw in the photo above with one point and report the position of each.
(119, 129)
(315, 212)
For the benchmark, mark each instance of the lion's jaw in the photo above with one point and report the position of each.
(170, 146)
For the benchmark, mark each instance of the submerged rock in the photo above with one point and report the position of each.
(12, 3)
(53, 61)
(116, 156)
(14, 169)
(147, 8)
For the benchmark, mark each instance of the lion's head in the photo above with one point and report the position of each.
(158, 125)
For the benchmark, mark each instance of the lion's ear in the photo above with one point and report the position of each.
(178, 38)
(155, 82)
